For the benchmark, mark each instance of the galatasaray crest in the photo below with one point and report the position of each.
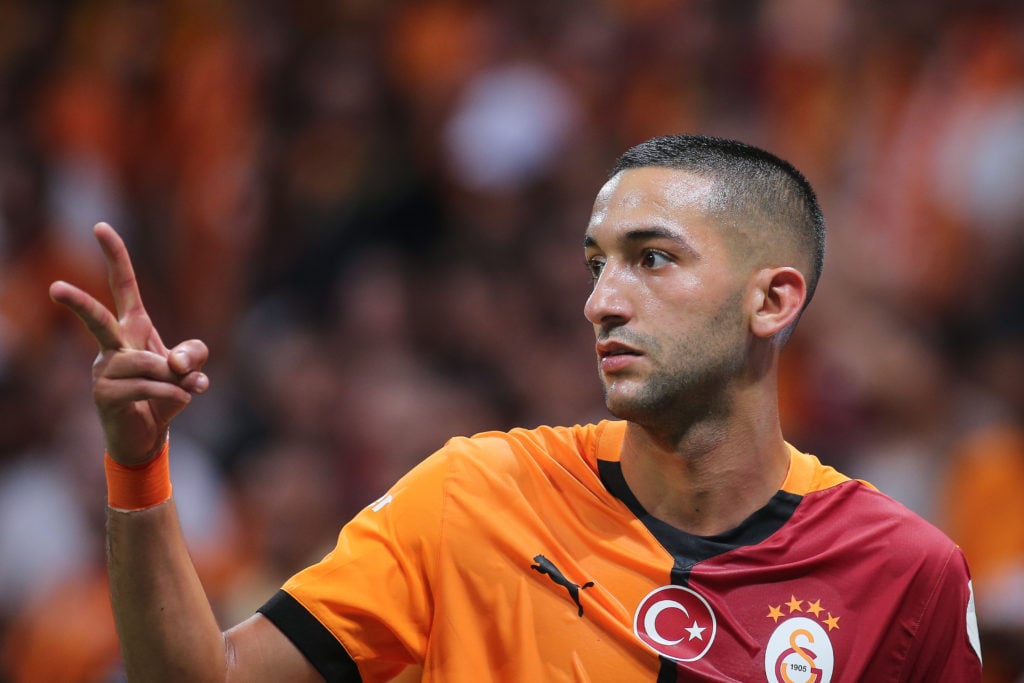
(800, 649)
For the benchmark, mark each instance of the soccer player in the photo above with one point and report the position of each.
(685, 541)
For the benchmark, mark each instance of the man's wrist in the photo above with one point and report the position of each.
(140, 487)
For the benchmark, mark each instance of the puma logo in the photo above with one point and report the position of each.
(545, 566)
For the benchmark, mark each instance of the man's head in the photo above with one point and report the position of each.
(759, 195)
(704, 253)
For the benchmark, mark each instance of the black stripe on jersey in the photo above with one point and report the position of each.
(688, 549)
(312, 638)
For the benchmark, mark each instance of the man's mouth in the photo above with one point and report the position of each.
(610, 349)
(614, 357)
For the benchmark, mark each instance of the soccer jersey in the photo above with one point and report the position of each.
(523, 556)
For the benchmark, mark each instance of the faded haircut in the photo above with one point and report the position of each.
(752, 187)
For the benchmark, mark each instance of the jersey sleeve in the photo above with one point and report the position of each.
(947, 646)
(363, 613)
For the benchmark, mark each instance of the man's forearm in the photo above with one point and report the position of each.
(164, 620)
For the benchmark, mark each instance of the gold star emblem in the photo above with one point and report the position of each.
(833, 622)
(815, 607)
(794, 604)
(775, 613)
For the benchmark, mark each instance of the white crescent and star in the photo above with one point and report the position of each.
(696, 631)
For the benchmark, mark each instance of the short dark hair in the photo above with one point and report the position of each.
(750, 182)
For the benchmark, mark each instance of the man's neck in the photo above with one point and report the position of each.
(711, 479)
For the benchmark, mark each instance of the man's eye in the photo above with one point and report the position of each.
(655, 259)
(595, 266)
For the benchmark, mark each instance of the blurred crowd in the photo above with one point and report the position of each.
(372, 211)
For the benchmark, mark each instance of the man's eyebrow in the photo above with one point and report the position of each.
(645, 234)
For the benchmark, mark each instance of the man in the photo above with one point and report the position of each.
(685, 542)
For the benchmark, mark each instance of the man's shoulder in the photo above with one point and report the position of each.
(519, 454)
(581, 440)
(854, 505)
(872, 521)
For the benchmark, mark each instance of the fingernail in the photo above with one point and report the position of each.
(202, 383)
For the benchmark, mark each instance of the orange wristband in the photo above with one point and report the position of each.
(138, 488)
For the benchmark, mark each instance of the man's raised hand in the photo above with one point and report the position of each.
(139, 384)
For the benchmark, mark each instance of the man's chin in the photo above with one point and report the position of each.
(625, 406)
(636, 402)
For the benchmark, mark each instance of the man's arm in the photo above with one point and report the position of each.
(166, 626)
(946, 646)
(164, 620)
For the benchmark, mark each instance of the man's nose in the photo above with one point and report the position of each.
(608, 303)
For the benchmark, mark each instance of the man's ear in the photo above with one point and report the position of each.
(779, 295)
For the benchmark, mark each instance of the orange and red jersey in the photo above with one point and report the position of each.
(523, 556)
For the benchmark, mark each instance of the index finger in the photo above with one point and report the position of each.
(120, 273)
(97, 318)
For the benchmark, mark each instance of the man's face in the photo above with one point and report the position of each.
(667, 303)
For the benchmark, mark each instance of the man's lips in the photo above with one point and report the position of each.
(615, 355)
